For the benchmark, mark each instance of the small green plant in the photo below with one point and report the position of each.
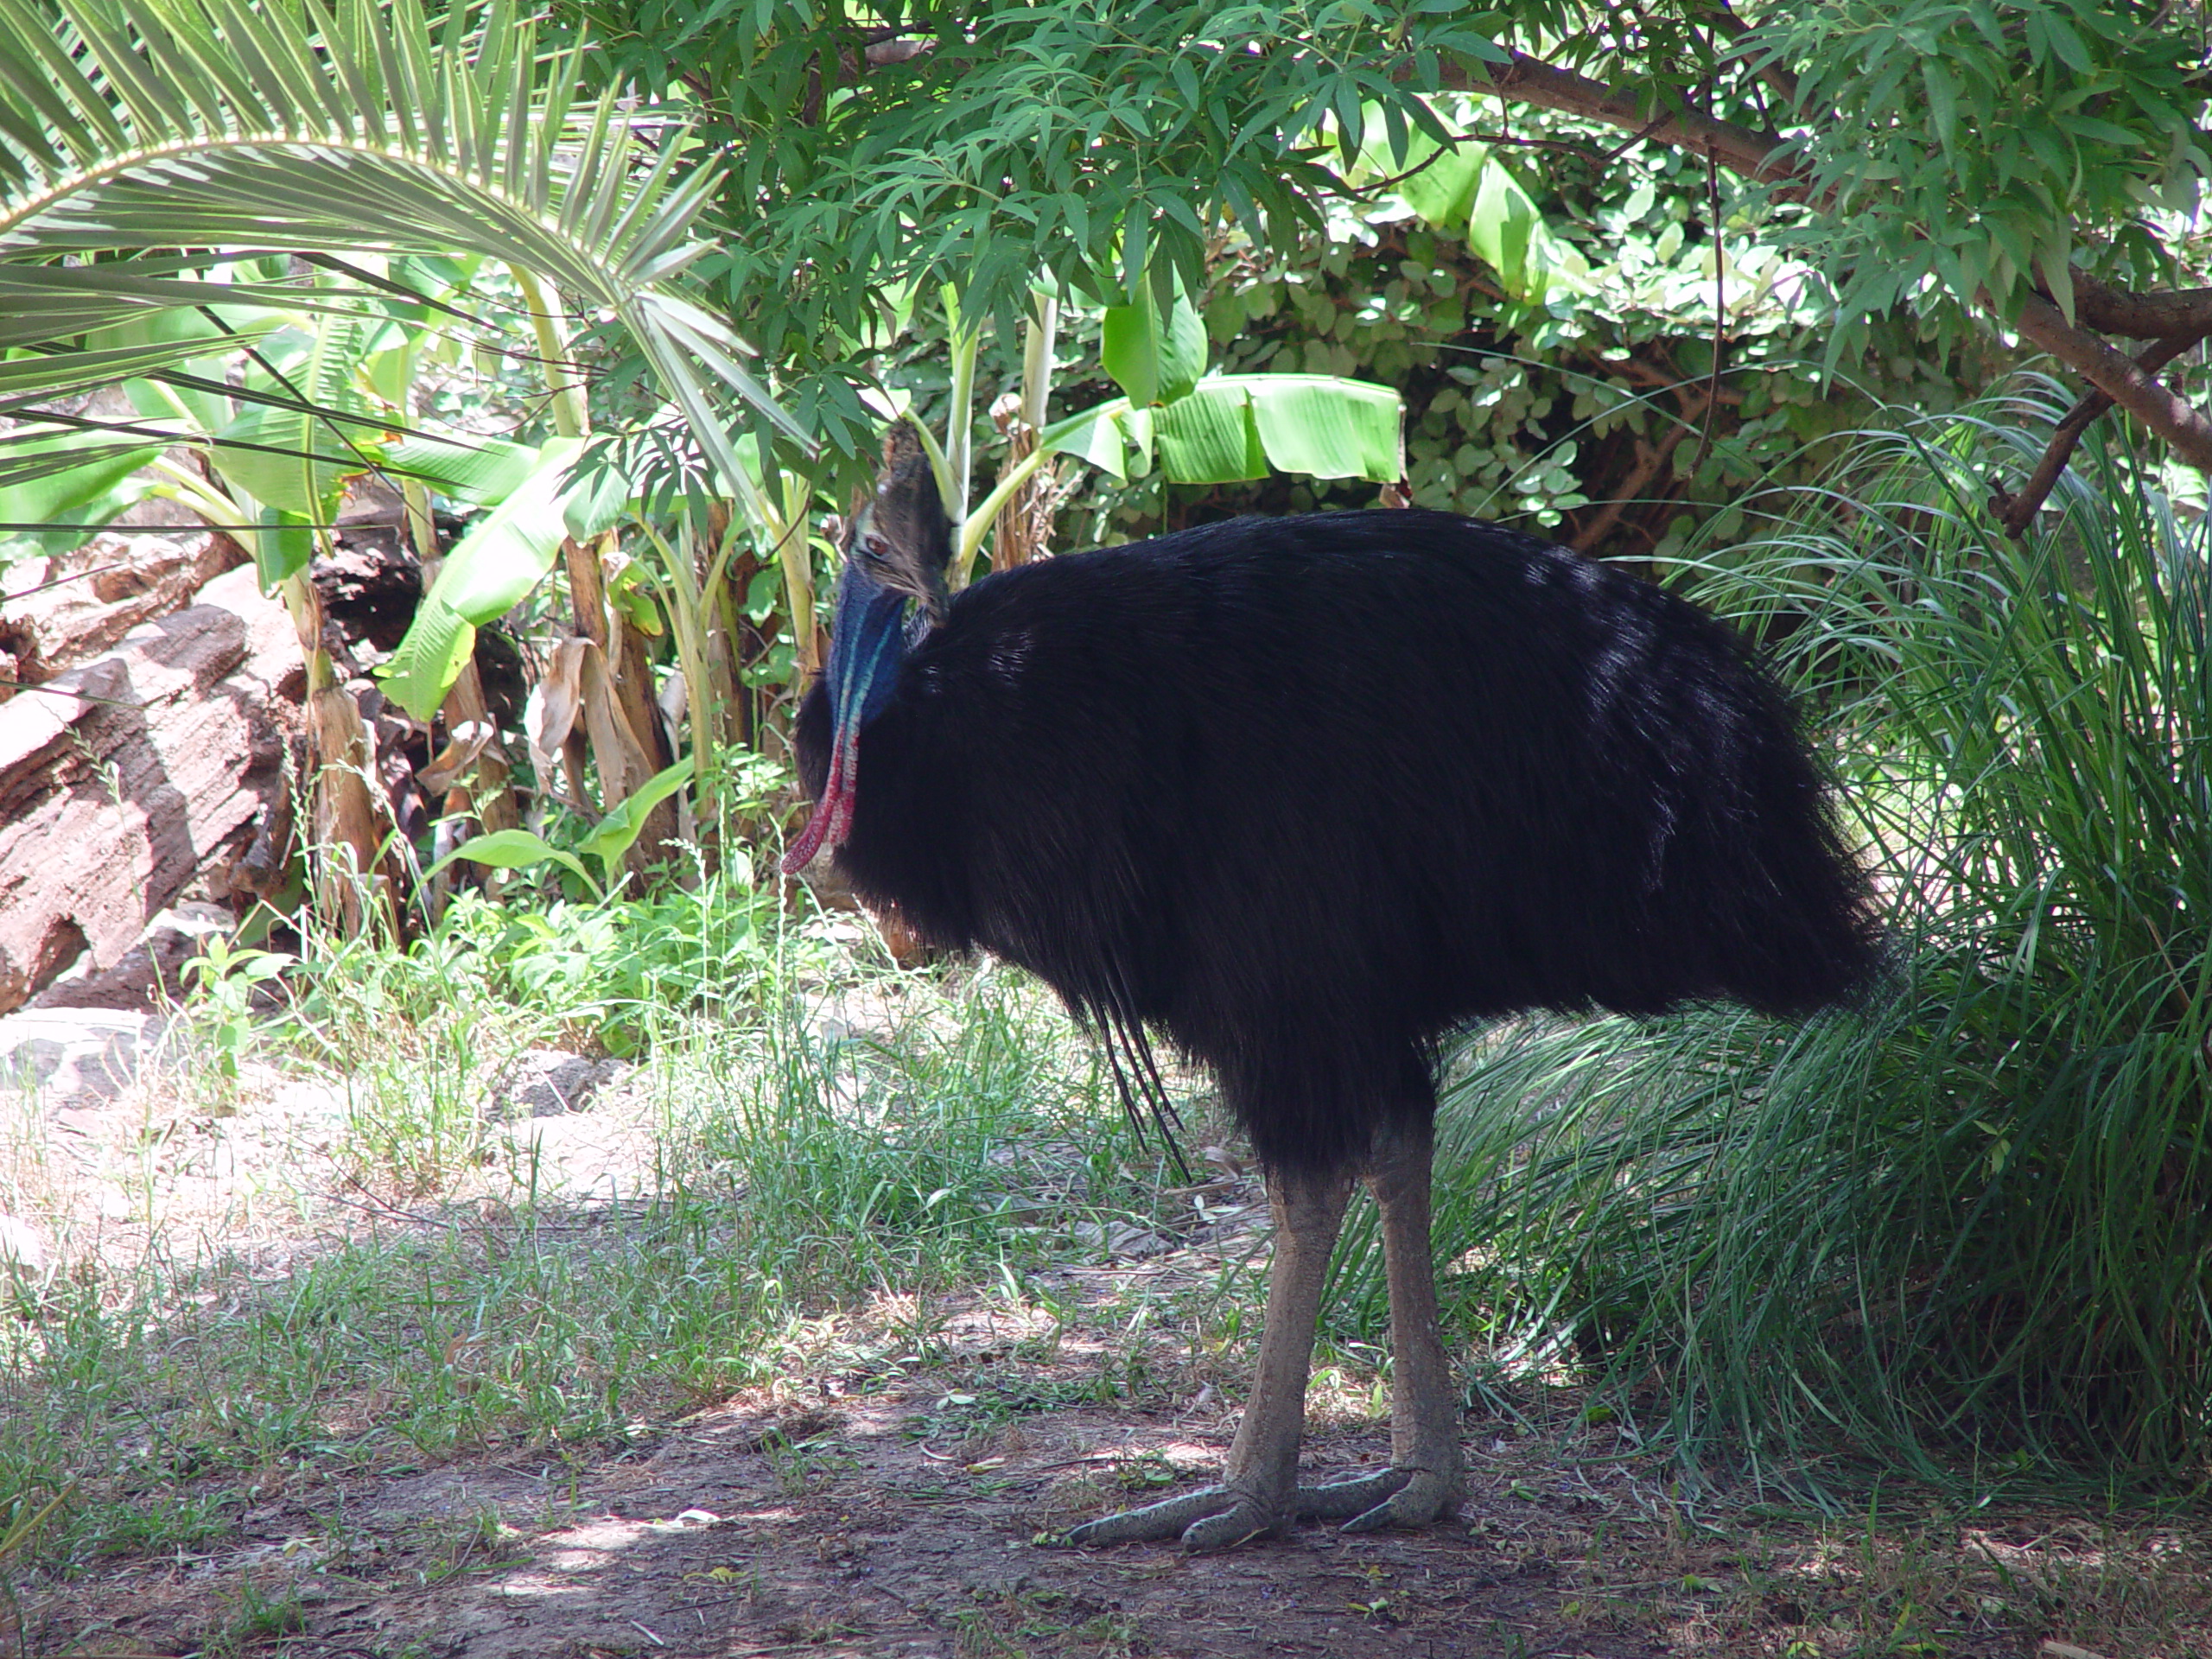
(256, 1618)
(612, 837)
(223, 979)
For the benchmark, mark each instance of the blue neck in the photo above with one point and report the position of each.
(867, 644)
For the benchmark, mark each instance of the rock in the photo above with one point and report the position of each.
(64, 609)
(22, 1252)
(549, 1082)
(1119, 1238)
(149, 971)
(124, 780)
(72, 1055)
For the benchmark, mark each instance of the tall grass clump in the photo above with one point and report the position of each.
(1965, 1232)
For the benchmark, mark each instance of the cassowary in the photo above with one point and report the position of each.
(1302, 795)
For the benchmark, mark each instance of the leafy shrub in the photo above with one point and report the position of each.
(1970, 1229)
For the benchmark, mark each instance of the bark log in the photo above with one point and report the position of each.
(134, 778)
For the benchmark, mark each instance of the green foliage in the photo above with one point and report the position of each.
(1093, 142)
(66, 496)
(608, 841)
(1154, 354)
(505, 555)
(618, 972)
(1987, 145)
(225, 977)
(132, 129)
(1965, 1233)
(1529, 406)
(1953, 145)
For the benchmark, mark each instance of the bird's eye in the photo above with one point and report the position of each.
(875, 549)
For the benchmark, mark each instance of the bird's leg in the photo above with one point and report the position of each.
(1259, 1492)
(1422, 1482)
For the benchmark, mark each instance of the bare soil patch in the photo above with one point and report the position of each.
(913, 1513)
(840, 1526)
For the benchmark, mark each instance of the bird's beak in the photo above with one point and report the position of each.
(864, 646)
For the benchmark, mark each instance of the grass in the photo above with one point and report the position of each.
(801, 1173)
(840, 1180)
(1965, 1233)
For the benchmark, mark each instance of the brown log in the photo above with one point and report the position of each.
(133, 778)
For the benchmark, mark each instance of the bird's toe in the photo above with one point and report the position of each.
(1170, 1517)
(1247, 1520)
(1424, 1496)
(1338, 1499)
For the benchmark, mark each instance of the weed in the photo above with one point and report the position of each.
(223, 980)
(256, 1616)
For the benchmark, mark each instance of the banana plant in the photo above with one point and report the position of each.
(1197, 428)
(130, 130)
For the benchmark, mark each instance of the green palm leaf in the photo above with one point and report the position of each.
(135, 128)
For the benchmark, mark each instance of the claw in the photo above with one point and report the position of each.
(1423, 1496)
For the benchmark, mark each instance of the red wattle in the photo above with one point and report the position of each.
(833, 814)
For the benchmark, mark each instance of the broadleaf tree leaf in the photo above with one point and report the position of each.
(616, 832)
(423, 668)
(1098, 436)
(482, 473)
(1155, 357)
(1326, 426)
(486, 575)
(1444, 189)
(508, 553)
(59, 472)
(284, 545)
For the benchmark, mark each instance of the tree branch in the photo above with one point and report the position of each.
(1761, 156)
(1783, 84)
(1743, 150)
(1649, 457)
(2111, 309)
(2180, 422)
(2017, 512)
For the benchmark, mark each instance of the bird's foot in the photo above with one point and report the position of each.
(1389, 1497)
(1213, 1517)
(1221, 1517)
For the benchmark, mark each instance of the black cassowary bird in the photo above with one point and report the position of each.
(1303, 794)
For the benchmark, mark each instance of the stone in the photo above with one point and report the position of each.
(128, 779)
(75, 1055)
(549, 1082)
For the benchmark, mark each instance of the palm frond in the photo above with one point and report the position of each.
(138, 128)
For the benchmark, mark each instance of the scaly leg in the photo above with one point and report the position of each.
(1259, 1493)
(1422, 1482)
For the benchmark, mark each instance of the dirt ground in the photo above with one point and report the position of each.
(728, 1537)
(912, 1507)
(878, 1515)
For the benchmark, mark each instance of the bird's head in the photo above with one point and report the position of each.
(900, 541)
(897, 547)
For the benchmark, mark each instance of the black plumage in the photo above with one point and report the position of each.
(1303, 794)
